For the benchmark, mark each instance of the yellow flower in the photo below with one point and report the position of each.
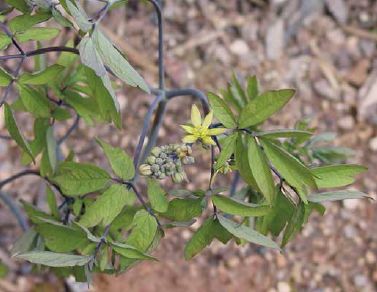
(198, 130)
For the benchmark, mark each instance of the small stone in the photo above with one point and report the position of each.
(275, 40)
(283, 287)
(338, 9)
(323, 88)
(351, 204)
(350, 231)
(373, 144)
(360, 280)
(370, 257)
(240, 48)
(346, 123)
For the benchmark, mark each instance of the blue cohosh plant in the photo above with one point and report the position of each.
(98, 221)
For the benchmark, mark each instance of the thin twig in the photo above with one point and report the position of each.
(70, 130)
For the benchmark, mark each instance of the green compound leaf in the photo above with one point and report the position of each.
(53, 259)
(34, 101)
(44, 77)
(76, 179)
(294, 224)
(157, 196)
(116, 62)
(261, 170)
(336, 196)
(291, 169)
(51, 202)
(228, 148)
(37, 34)
(246, 233)
(52, 148)
(236, 207)
(221, 110)
(204, 236)
(120, 162)
(5, 78)
(107, 206)
(264, 106)
(334, 176)
(10, 124)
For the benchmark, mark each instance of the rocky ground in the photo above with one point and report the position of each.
(324, 48)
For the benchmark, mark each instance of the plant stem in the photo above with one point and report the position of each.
(8, 201)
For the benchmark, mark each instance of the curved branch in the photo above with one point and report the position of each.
(161, 64)
(18, 175)
(144, 131)
(190, 92)
(22, 221)
(70, 130)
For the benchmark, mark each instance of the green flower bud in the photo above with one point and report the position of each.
(151, 159)
(159, 161)
(163, 155)
(145, 170)
(155, 168)
(156, 151)
(162, 176)
(178, 177)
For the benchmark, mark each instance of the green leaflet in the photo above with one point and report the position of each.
(221, 110)
(79, 16)
(246, 233)
(12, 127)
(105, 97)
(298, 134)
(157, 196)
(52, 148)
(294, 224)
(236, 207)
(20, 5)
(264, 106)
(5, 78)
(336, 196)
(261, 170)
(107, 206)
(37, 34)
(292, 170)
(44, 77)
(116, 62)
(204, 236)
(242, 163)
(90, 57)
(34, 101)
(5, 41)
(183, 209)
(53, 259)
(61, 238)
(143, 232)
(26, 21)
(25, 242)
(334, 176)
(51, 201)
(120, 162)
(130, 252)
(228, 148)
(252, 87)
(77, 179)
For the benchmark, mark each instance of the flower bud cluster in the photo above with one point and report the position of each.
(168, 160)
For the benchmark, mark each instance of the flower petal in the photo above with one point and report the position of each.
(189, 139)
(196, 118)
(216, 131)
(188, 129)
(208, 120)
(208, 140)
